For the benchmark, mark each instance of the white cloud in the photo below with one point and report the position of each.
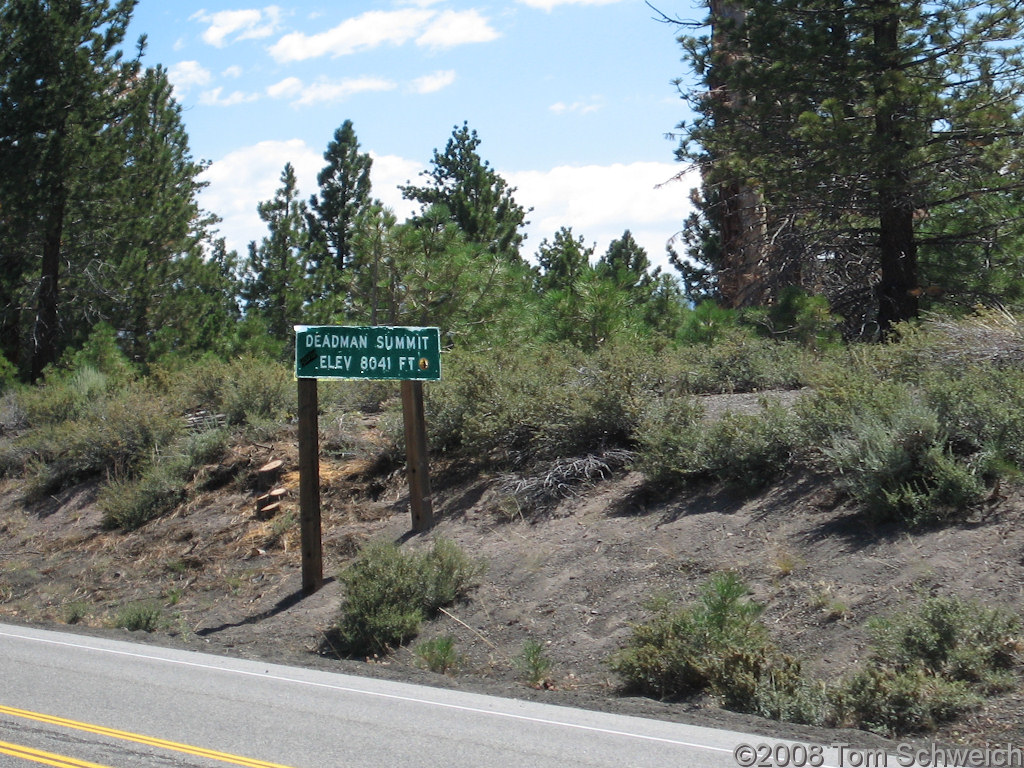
(376, 28)
(547, 5)
(248, 24)
(233, 71)
(453, 28)
(326, 91)
(387, 174)
(434, 82)
(368, 30)
(186, 74)
(600, 202)
(581, 107)
(290, 86)
(243, 178)
(250, 175)
(213, 98)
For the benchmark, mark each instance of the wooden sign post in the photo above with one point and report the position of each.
(407, 354)
(417, 466)
(309, 488)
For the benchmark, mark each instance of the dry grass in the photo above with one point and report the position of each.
(992, 337)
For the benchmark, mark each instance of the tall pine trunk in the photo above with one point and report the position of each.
(44, 333)
(897, 245)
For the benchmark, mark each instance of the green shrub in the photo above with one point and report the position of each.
(129, 502)
(447, 574)
(382, 606)
(893, 702)
(951, 638)
(897, 465)
(513, 408)
(388, 593)
(438, 654)
(719, 645)
(765, 682)
(74, 612)
(930, 665)
(8, 374)
(707, 323)
(803, 318)
(144, 616)
(745, 450)
(102, 353)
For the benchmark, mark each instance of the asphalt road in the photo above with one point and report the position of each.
(78, 702)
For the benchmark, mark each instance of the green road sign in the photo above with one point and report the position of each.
(370, 352)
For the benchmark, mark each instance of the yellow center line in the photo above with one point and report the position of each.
(173, 746)
(46, 758)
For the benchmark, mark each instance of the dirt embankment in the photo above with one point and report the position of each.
(226, 577)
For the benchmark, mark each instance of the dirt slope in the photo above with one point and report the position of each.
(572, 578)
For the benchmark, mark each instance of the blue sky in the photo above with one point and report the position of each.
(571, 99)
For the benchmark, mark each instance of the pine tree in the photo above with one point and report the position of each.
(563, 261)
(275, 288)
(373, 281)
(864, 122)
(344, 196)
(150, 221)
(626, 263)
(477, 199)
(62, 82)
(198, 310)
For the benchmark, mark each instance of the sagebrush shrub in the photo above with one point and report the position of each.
(254, 389)
(892, 702)
(129, 501)
(897, 464)
(950, 637)
(517, 407)
(719, 645)
(115, 434)
(745, 450)
(669, 439)
(751, 450)
(737, 362)
(929, 665)
(981, 410)
(389, 592)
